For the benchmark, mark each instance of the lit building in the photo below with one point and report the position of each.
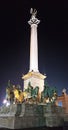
(63, 100)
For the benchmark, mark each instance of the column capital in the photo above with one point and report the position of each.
(33, 19)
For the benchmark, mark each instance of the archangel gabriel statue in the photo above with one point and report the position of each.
(33, 12)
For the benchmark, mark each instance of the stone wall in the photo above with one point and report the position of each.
(30, 115)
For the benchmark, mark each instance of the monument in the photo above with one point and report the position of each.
(34, 76)
(35, 105)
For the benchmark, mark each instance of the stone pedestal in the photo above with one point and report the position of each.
(30, 115)
(54, 116)
(35, 78)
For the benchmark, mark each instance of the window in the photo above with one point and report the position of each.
(60, 103)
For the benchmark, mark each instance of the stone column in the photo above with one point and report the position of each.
(33, 22)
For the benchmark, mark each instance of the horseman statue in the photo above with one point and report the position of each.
(49, 94)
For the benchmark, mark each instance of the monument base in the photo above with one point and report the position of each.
(18, 116)
(35, 78)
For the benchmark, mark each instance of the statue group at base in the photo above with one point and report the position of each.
(14, 94)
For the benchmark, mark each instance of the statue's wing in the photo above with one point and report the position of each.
(35, 11)
(31, 10)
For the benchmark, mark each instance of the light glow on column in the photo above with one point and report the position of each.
(33, 49)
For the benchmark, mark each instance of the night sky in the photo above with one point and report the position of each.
(15, 42)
